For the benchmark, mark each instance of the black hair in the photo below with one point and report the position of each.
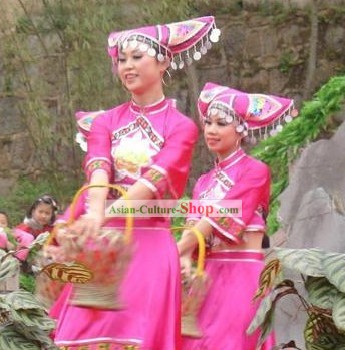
(47, 199)
(3, 213)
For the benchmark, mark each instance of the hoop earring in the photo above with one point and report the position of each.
(169, 75)
(238, 143)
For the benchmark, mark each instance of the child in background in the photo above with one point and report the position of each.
(3, 219)
(4, 241)
(39, 218)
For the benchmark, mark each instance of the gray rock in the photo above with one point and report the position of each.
(313, 216)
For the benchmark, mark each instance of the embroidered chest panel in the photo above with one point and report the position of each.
(133, 147)
(218, 187)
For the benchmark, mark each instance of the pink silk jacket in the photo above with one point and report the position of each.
(153, 145)
(238, 177)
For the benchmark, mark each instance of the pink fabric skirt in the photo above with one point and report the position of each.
(228, 308)
(151, 293)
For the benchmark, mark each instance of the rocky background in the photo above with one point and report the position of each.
(278, 47)
(283, 47)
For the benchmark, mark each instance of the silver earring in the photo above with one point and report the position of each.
(239, 128)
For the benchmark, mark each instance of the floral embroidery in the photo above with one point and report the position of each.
(158, 180)
(129, 158)
(104, 347)
(118, 134)
(154, 176)
(224, 179)
(150, 132)
(228, 224)
(98, 164)
(156, 140)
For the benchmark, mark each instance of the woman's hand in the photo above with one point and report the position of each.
(186, 265)
(88, 225)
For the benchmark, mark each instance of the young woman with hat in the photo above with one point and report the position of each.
(145, 146)
(234, 257)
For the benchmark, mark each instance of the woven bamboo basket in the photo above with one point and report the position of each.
(194, 290)
(96, 266)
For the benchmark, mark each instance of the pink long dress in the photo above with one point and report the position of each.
(153, 145)
(228, 308)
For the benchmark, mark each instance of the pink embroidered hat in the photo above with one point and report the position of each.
(258, 115)
(181, 41)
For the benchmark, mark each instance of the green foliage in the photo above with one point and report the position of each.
(271, 8)
(47, 56)
(26, 191)
(281, 150)
(285, 63)
(218, 7)
(9, 265)
(332, 14)
(27, 282)
(25, 324)
(164, 11)
(57, 63)
(179, 221)
(323, 276)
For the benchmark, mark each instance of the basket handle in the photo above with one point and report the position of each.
(202, 248)
(129, 217)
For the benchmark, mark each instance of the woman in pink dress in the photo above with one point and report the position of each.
(234, 258)
(144, 145)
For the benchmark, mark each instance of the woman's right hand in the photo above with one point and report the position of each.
(88, 225)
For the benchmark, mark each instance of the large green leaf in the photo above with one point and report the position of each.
(267, 326)
(35, 335)
(267, 277)
(21, 299)
(321, 333)
(3, 305)
(338, 313)
(9, 265)
(10, 339)
(334, 267)
(39, 240)
(264, 308)
(33, 318)
(312, 346)
(321, 292)
(305, 261)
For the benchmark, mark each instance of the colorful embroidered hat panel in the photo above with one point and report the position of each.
(181, 41)
(260, 113)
